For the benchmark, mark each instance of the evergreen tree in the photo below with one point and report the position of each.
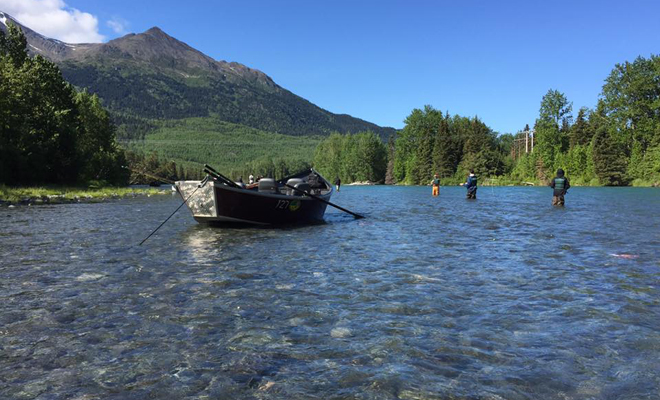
(423, 166)
(550, 141)
(14, 45)
(389, 174)
(414, 146)
(580, 132)
(479, 150)
(608, 158)
(445, 153)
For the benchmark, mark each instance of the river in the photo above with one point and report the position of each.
(504, 297)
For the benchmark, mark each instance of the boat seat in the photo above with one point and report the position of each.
(302, 186)
(267, 185)
(292, 182)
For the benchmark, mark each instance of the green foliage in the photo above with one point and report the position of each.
(615, 144)
(96, 142)
(234, 150)
(447, 149)
(578, 164)
(581, 132)
(14, 46)
(66, 194)
(555, 109)
(525, 168)
(353, 158)
(431, 143)
(48, 134)
(609, 159)
(550, 138)
(389, 174)
(631, 99)
(415, 146)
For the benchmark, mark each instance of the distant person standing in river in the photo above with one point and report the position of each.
(471, 185)
(560, 185)
(338, 183)
(436, 185)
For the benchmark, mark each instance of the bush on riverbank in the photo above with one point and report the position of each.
(59, 195)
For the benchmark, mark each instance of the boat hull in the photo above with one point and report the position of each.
(240, 206)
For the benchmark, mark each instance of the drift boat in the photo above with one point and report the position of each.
(297, 199)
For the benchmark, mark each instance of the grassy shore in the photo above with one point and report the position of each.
(61, 195)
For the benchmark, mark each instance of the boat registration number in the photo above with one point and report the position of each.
(292, 205)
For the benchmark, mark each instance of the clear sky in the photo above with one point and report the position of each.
(378, 60)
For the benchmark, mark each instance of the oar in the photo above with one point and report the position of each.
(222, 177)
(219, 177)
(357, 216)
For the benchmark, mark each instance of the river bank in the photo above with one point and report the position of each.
(14, 196)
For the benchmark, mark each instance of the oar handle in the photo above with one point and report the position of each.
(357, 216)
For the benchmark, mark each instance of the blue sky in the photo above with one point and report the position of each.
(377, 60)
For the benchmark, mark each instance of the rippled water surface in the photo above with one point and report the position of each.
(504, 297)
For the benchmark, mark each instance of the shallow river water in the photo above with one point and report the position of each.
(504, 297)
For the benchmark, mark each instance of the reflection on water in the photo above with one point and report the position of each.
(505, 297)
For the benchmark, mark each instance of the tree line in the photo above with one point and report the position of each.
(430, 143)
(49, 132)
(617, 143)
(359, 157)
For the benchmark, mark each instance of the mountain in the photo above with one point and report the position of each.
(153, 76)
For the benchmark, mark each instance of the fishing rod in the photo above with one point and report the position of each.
(201, 185)
(149, 175)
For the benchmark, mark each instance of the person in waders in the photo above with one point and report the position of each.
(338, 183)
(436, 185)
(471, 185)
(560, 185)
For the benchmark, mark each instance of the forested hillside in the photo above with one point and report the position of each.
(234, 149)
(137, 93)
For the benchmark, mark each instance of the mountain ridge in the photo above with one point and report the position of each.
(152, 75)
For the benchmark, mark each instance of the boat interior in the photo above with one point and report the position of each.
(308, 181)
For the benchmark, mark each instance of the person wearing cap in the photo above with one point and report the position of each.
(436, 185)
(560, 185)
(471, 185)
